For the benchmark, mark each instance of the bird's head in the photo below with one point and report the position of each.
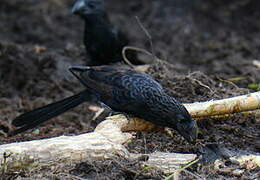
(84, 8)
(183, 123)
(187, 127)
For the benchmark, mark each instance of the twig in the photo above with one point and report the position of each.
(140, 49)
(193, 174)
(177, 172)
(148, 35)
(143, 170)
(134, 49)
(229, 82)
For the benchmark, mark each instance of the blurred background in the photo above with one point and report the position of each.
(39, 40)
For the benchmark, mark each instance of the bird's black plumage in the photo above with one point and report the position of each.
(123, 90)
(33, 118)
(136, 93)
(103, 41)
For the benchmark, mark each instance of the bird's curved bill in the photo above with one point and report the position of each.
(189, 132)
(78, 7)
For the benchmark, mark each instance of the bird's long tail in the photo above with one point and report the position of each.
(33, 118)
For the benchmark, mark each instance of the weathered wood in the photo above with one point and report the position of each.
(237, 104)
(107, 140)
(104, 143)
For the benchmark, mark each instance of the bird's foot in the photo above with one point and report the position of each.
(113, 113)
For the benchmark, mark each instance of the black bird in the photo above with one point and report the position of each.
(103, 41)
(123, 90)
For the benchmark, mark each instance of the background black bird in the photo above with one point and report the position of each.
(123, 90)
(103, 41)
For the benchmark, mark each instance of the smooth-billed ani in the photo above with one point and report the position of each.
(103, 41)
(123, 90)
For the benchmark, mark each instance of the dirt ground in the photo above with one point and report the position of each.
(201, 42)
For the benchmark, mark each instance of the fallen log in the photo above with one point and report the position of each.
(107, 140)
(232, 105)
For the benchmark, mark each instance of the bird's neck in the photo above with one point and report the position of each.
(96, 20)
(169, 103)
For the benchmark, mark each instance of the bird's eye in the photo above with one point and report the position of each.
(182, 120)
(91, 5)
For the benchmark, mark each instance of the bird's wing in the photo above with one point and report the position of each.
(118, 87)
(101, 77)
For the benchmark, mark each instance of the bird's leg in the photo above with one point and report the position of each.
(112, 112)
(104, 106)
(128, 116)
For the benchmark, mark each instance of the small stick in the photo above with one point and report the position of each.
(133, 49)
(177, 172)
(148, 35)
(232, 105)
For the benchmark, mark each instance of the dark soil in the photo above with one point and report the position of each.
(203, 45)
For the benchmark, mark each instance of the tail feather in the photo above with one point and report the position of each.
(33, 118)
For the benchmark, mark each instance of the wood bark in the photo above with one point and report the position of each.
(108, 138)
